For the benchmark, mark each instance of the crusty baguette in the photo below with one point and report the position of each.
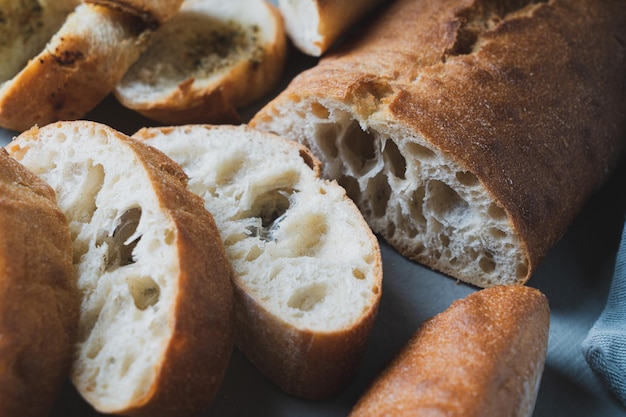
(153, 12)
(156, 325)
(211, 59)
(78, 67)
(307, 268)
(469, 134)
(25, 28)
(315, 25)
(483, 356)
(38, 297)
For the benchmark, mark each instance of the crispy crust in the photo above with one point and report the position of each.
(532, 104)
(198, 351)
(38, 297)
(77, 69)
(216, 100)
(483, 356)
(153, 12)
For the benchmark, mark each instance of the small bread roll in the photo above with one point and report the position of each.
(211, 59)
(156, 325)
(38, 297)
(307, 268)
(483, 356)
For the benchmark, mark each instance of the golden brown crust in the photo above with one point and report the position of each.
(531, 100)
(38, 297)
(483, 356)
(153, 12)
(78, 68)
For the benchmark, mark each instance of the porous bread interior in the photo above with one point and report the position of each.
(418, 198)
(302, 22)
(201, 44)
(296, 243)
(25, 28)
(124, 257)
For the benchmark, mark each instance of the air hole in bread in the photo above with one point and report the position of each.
(467, 178)
(416, 207)
(496, 212)
(319, 110)
(497, 233)
(306, 298)
(445, 204)
(351, 185)
(521, 270)
(379, 190)
(325, 135)
(358, 274)
(119, 244)
(303, 236)
(270, 208)
(487, 263)
(420, 152)
(394, 159)
(358, 146)
(144, 290)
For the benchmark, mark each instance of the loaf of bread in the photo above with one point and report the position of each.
(315, 25)
(74, 71)
(38, 297)
(156, 325)
(211, 59)
(469, 132)
(483, 356)
(307, 268)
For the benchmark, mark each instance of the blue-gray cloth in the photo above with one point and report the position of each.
(604, 347)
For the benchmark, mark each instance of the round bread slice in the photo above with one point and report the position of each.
(209, 60)
(156, 324)
(75, 70)
(307, 268)
(38, 297)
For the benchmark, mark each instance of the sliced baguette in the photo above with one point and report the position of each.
(211, 59)
(77, 68)
(307, 268)
(38, 297)
(483, 356)
(156, 324)
(25, 28)
(315, 25)
(469, 134)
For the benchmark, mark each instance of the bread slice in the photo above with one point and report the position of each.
(154, 12)
(38, 297)
(469, 134)
(156, 324)
(307, 268)
(211, 59)
(25, 28)
(76, 69)
(315, 25)
(483, 356)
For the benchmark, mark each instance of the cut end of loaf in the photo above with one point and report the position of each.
(419, 199)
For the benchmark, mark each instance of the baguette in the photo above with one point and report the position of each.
(470, 134)
(315, 25)
(211, 59)
(483, 356)
(39, 300)
(156, 325)
(307, 268)
(77, 68)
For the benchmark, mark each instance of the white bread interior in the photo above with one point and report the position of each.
(303, 257)
(127, 257)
